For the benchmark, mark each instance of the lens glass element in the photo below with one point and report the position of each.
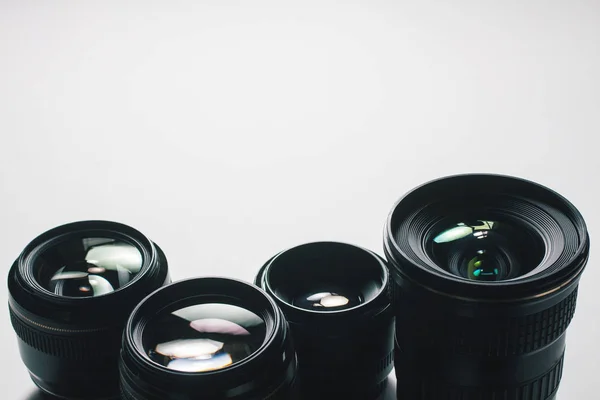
(87, 267)
(328, 299)
(203, 337)
(486, 250)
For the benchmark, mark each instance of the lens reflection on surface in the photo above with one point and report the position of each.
(203, 337)
(87, 267)
(486, 250)
(327, 300)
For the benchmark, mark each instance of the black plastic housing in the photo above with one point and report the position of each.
(473, 340)
(346, 353)
(71, 345)
(269, 373)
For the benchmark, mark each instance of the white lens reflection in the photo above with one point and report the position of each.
(100, 285)
(115, 255)
(334, 301)
(189, 348)
(233, 314)
(69, 275)
(204, 337)
(96, 270)
(328, 298)
(217, 325)
(191, 365)
(318, 296)
(123, 275)
(84, 267)
(462, 230)
(458, 232)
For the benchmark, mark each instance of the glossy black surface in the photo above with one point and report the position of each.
(486, 271)
(71, 290)
(336, 298)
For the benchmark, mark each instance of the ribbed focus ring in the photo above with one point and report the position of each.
(515, 336)
(73, 346)
(125, 394)
(491, 336)
(542, 388)
(385, 362)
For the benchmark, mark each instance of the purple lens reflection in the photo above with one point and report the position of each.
(203, 337)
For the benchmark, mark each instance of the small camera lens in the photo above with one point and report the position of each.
(485, 272)
(335, 297)
(213, 338)
(71, 291)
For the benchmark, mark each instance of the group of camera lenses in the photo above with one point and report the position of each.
(471, 302)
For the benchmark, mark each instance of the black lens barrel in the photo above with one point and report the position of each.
(459, 338)
(344, 353)
(71, 345)
(482, 286)
(510, 349)
(268, 373)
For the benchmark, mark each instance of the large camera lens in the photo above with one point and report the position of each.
(335, 297)
(71, 291)
(209, 338)
(485, 270)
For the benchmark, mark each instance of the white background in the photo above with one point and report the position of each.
(229, 130)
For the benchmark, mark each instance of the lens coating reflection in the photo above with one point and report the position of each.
(330, 299)
(87, 267)
(203, 337)
(486, 250)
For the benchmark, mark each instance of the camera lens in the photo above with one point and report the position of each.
(485, 272)
(211, 338)
(335, 297)
(71, 291)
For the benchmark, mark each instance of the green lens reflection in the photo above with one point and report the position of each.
(473, 250)
(480, 268)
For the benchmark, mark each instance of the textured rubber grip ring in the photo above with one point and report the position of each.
(542, 388)
(66, 344)
(487, 336)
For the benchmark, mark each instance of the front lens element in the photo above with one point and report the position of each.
(486, 250)
(204, 337)
(332, 299)
(87, 267)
